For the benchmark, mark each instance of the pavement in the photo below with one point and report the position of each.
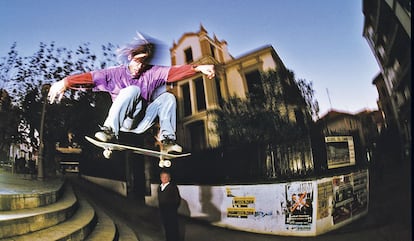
(389, 217)
(25, 183)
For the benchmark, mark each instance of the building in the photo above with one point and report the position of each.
(234, 77)
(339, 122)
(365, 125)
(256, 187)
(372, 125)
(384, 102)
(387, 29)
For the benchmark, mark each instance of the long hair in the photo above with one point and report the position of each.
(139, 45)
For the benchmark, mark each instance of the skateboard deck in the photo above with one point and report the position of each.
(165, 158)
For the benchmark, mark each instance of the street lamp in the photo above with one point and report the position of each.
(40, 168)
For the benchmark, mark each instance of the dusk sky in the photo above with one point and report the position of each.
(319, 40)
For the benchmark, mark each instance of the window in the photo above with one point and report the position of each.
(213, 51)
(193, 92)
(186, 99)
(197, 135)
(188, 55)
(340, 151)
(300, 119)
(218, 89)
(200, 95)
(254, 83)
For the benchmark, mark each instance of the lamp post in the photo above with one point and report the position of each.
(40, 167)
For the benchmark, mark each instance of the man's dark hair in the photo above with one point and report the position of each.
(140, 45)
(147, 48)
(165, 172)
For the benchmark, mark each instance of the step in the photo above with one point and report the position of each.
(105, 229)
(76, 228)
(23, 221)
(108, 229)
(126, 233)
(19, 193)
(123, 232)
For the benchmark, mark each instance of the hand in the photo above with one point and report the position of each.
(207, 70)
(56, 91)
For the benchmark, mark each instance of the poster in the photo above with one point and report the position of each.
(299, 205)
(343, 198)
(360, 199)
(325, 197)
(242, 207)
(340, 151)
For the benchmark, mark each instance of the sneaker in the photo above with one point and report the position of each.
(169, 145)
(105, 135)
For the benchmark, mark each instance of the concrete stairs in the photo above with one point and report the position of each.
(54, 213)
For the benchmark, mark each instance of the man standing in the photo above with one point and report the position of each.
(168, 201)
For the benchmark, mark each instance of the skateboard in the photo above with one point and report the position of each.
(165, 158)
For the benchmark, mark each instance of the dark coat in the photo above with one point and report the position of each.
(169, 198)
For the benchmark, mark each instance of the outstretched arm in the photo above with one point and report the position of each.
(58, 88)
(177, 73)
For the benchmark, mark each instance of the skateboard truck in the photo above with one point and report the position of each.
(107, 153)
(164, 162)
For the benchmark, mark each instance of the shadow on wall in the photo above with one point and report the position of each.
(207, 206)
(202, 208)
(184, 209)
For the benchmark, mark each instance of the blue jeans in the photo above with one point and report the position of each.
(127, 105)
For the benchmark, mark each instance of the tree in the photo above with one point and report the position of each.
(308, 94)
(8, 67)
(24, 77)
(9, 120)
(263, 122)
(258, 118)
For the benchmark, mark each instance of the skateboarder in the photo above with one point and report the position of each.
(135, 86)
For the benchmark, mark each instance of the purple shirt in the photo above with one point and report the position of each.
(114, 79)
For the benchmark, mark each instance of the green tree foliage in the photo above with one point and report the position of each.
(269, 130)
(24, 76)
(258, 118)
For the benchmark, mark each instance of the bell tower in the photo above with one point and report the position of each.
(199, 48)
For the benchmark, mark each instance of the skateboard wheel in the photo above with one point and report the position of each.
(161, 164)
(107, 153)
(167, 163)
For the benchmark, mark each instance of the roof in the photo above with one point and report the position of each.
(335, 115)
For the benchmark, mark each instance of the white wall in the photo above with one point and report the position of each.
(192, 42)
(114, 185)
(264, 208)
